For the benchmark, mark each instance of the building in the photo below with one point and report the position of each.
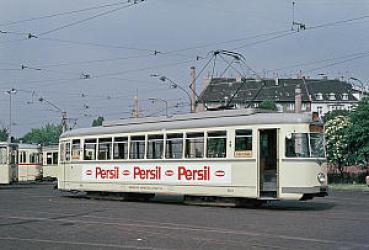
(311, 95)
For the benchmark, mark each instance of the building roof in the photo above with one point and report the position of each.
(278, 90)
(196, 120)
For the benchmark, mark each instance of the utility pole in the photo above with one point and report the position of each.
(136, 107)
(193, 89)
(10, 93)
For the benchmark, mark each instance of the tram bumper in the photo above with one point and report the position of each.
(308, 193)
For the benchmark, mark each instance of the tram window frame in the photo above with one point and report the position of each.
(243, 140)
(3, 155)
(62, 151)
(174, 146)
(198, 140)
(49, 158)
(87, 143)
(216, 136)
(76, 150)
(67, 152)
(55, 156)
(107, 152)
(22, 157)
(155, 143)
(120, 145)
(137, 147)
(289, 153)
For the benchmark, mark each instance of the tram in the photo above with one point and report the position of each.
(8, 163)
(29, 162)
(50, 156)
(243, 155)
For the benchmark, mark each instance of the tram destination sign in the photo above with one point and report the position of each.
(201, 174)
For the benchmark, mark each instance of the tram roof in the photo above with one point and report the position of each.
(193, 120)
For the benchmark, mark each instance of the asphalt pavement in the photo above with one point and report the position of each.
(35, 216)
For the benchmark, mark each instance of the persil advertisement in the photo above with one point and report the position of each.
(171, 173)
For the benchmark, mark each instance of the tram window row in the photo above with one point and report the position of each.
(158, 146)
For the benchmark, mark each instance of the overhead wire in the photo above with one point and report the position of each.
(63, 13)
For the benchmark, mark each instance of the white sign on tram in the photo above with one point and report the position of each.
(210, 174)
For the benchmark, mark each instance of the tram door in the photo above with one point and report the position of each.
(268, 162)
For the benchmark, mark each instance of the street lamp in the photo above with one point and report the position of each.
(10, 93)
(161, 100)
(362, 85)
(63, 113)
(174, 85)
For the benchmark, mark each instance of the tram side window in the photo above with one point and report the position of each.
(55, 158)
(216, 147)
(137, 147)
(195, 145)
(174, 146)
(120, 149)
(3, 155)
(105, 145)
(155, 145)
(49, 158)
(22, 157)
(76, 149)
(297, 145)
(67, 151)
(243, 143)
(90, 150)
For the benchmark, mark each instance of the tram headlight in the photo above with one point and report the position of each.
(321, 178)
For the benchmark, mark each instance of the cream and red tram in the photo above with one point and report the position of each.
(8, 163)
(50, 157)
(29, 162)
(234, 154)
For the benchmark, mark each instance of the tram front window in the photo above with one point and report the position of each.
(76, 149)
(305, 145)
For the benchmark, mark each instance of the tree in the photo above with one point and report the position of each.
(268, 105)
(98, 121)
(45, 135)
(337, 140)
(359, 133)
(4, 134)
(333, 114)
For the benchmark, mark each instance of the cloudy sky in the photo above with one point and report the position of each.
(115, 42)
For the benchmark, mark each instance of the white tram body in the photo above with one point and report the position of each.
(239, 154)
(8, 163)
(29, 162)
(50, 157)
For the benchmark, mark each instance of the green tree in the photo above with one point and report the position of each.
(268, 105)
(337, 140)
(333, 114)
(45, 135)
(3, 134)
(359, 133)
(98, 121)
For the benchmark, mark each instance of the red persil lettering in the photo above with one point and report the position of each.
(147, 174)
(194, 174)
(107, 173)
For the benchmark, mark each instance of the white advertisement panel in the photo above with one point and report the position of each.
(170, 173)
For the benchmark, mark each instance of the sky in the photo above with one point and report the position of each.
(119, 45)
